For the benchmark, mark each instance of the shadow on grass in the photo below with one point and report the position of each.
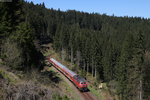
(52, 76)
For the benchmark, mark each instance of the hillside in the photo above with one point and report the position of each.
(103, 49)
(34, 85)
(94, 91)
(112, 49)
(47, 84)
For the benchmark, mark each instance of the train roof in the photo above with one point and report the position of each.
(64, 67)
(79, 78)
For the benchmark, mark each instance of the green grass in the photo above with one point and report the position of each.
(65, 88)
(8, 76)
(58, 97)
(95, 92)
(48, 52)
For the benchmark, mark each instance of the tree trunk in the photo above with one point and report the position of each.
(78, 58)
(92, 66)
(63, 54)
(71, 56)
(84, 64)
(140, 96)
(95, 71)
(87, 67)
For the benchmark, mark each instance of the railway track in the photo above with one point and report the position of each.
(87, 96)
(81, 95)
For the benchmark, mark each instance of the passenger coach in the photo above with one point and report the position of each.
(78, 81)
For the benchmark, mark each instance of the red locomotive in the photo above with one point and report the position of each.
(78, 81)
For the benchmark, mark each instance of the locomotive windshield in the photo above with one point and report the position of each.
(79, 78)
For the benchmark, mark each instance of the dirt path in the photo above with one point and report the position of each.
(81, 95)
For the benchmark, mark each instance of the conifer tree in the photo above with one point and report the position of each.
(135, 71)
(122, 75)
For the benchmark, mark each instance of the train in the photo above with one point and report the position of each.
(76, 79)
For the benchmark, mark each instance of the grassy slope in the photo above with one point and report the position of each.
(33, 81)
(58, 91)
(64, 87)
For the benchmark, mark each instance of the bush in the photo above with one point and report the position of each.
(58, 97)
(27, 91)
(12, 54)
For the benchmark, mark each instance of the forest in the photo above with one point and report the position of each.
(115, 50)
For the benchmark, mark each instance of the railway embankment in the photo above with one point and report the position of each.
(94, 92)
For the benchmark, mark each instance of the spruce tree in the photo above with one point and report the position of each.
(123, 66)
(135, 71)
